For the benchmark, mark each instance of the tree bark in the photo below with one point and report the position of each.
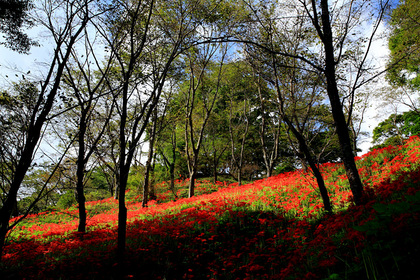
(356, 185)
(80, 174)
(191, 187)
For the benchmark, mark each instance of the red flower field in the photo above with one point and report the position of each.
(273, 228)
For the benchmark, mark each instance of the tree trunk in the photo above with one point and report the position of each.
(152, 182)
(150, 154)
(146, 177)
(172, 174)
(172, 164)
(303, 147)
(214, 172)
(356, 185)
(269, 171)
(240, 176)
(82, 207)
(122, 222)
(122, 209)
(318, 176)
(81, 173)
(269, 160)
(123, 169)
(7, 209)
(117, 191)
(191, 187)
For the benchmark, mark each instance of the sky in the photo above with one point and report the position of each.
(14, 64)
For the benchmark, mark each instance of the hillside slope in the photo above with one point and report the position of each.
(270, 229)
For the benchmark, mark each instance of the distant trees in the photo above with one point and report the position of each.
(199, 94)
(395, 129)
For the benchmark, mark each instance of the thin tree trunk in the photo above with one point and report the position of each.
(172, 184)
(214, 172)
(318, 176)
(80, 174)
(172, 164)
(147, 175)
(116, 191)
(150, 154)
(303, 147)
(240, 177)
(152, 192)
(269, 160)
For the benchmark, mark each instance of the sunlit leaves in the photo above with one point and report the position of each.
(404, 44)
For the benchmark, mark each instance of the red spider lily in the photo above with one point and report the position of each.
(269, 229)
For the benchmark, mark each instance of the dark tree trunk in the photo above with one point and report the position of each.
(122, 223)
(81, 199)
(123, 170)
(81, 173)
(172, 174)
(214, 173)
(6, 212)
(122, 212)
(318, 176)
(152, 191)
(356, 185)
(303, 147)
(146, 177)
(172, 164)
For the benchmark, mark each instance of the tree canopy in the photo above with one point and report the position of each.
(14, 18)
(404, 44)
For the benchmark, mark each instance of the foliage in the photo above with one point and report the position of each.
(404, 44)
(14, 17)
(16, 105)
(395, 129)
(269, 229)
(66, 200)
